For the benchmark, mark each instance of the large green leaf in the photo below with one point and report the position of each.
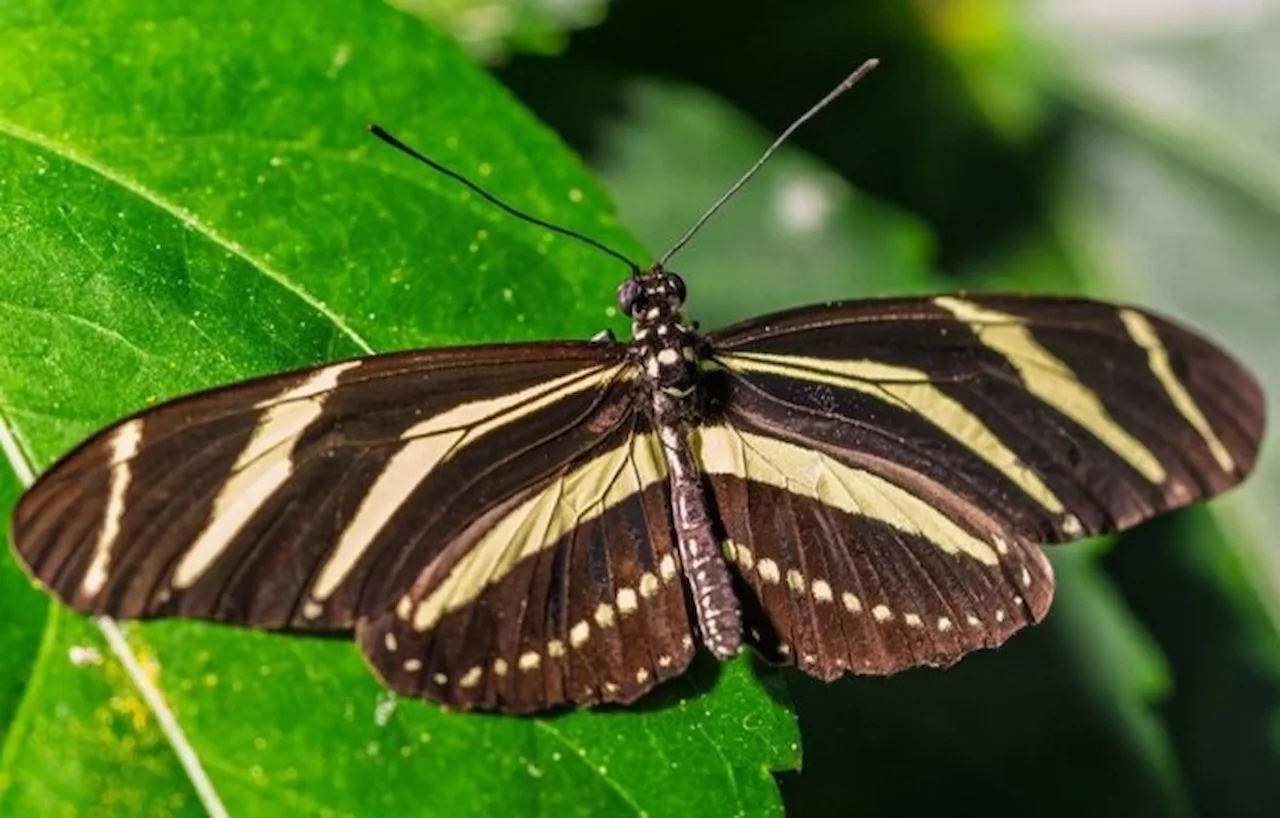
(187, 197)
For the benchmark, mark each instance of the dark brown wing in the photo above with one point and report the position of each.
(1068, 417)
(847, 572)
(300, 501)
(880, 436)
(569, 592)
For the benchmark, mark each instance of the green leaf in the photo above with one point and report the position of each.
(188, 198)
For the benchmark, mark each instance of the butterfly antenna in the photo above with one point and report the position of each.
(381, 133)
(845, 85)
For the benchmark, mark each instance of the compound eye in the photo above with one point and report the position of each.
(629, 293)
(676, 284)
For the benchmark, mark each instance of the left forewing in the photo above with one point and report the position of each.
(295, 500)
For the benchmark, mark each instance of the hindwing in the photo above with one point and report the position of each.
(568, 592)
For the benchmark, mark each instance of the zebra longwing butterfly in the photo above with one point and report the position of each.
(856, 487)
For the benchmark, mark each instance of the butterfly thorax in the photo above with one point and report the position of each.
(665, 351)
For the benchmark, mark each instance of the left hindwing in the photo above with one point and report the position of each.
(905, 454)
(567, 592)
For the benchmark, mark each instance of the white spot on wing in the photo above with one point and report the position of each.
(648, 585)
(822, 590)
(1071, 525)
(627, 602)
(667, 567)
(604, 615)
(768, 570)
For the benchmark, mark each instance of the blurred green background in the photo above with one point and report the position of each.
(1126, 150)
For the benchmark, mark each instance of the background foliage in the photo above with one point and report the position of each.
(187, 197)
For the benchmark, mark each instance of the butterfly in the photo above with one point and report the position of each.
(857, 487)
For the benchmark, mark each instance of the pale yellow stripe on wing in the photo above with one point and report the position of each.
(1052, 381)
(810, 473)
(910, 389)
(527, 401)
(428, 444)
(261, 469)
(403, 473)
(575, 499)
(1144, 335)
(124, 445)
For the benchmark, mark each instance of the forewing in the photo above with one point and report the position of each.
(1063, 417)
(884, 469)
(569, 593)
(298, 501)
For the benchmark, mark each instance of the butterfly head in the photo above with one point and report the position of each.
(662, 345)
(658, 290)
